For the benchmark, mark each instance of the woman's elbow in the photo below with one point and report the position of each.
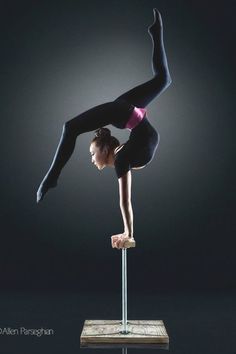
(125, 204)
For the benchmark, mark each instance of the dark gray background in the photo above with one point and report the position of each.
(60, 58)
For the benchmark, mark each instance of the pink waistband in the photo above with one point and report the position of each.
(135, 118)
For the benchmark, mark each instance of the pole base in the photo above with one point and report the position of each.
(109, 331)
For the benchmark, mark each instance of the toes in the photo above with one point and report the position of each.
(157, 17)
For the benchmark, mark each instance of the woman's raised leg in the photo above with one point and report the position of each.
(90, 120)
(143, 94)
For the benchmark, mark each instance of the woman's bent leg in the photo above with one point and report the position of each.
(88, 121)
(143, 94)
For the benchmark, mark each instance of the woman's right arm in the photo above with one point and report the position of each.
(125, 203)
(119, 240)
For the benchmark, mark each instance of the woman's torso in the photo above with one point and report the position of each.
(139, 150)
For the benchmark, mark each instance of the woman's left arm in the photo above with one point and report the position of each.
(125, 203)
(126, 211)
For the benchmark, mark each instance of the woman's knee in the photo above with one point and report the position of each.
(163, 80)
(165, 77)
(69, 128)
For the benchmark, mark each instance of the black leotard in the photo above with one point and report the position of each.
(141, 146)
(139, 150)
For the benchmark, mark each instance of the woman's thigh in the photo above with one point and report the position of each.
(142, 95)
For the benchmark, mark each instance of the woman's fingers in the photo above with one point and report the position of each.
(114, 240)
(119, 242)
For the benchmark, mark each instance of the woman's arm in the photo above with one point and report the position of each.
(125, 203)
(119, 240)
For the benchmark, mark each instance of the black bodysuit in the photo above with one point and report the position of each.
(141, 146)
(139, 150)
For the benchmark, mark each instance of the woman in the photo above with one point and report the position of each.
(127, 111)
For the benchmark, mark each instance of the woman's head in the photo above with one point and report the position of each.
(102, 147)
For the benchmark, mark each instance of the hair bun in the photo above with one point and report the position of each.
(103, 133)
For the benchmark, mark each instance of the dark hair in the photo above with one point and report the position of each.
(103, 138)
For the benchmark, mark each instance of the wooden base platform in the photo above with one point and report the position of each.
(109, 331)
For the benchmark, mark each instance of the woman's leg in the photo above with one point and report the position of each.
(90, 120)
(142, 95)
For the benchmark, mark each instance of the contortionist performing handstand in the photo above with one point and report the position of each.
(127, 111)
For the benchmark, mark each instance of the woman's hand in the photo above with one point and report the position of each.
(119, 240)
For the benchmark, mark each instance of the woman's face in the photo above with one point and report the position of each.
(99, 158)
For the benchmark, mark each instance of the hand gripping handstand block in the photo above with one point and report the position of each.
(98, 332)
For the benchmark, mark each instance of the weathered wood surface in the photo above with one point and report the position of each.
(108, 331)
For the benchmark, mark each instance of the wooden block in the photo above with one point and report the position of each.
(109, 331)
(130, 243)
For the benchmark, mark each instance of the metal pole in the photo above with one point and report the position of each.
(124, 290)
(124, 351)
